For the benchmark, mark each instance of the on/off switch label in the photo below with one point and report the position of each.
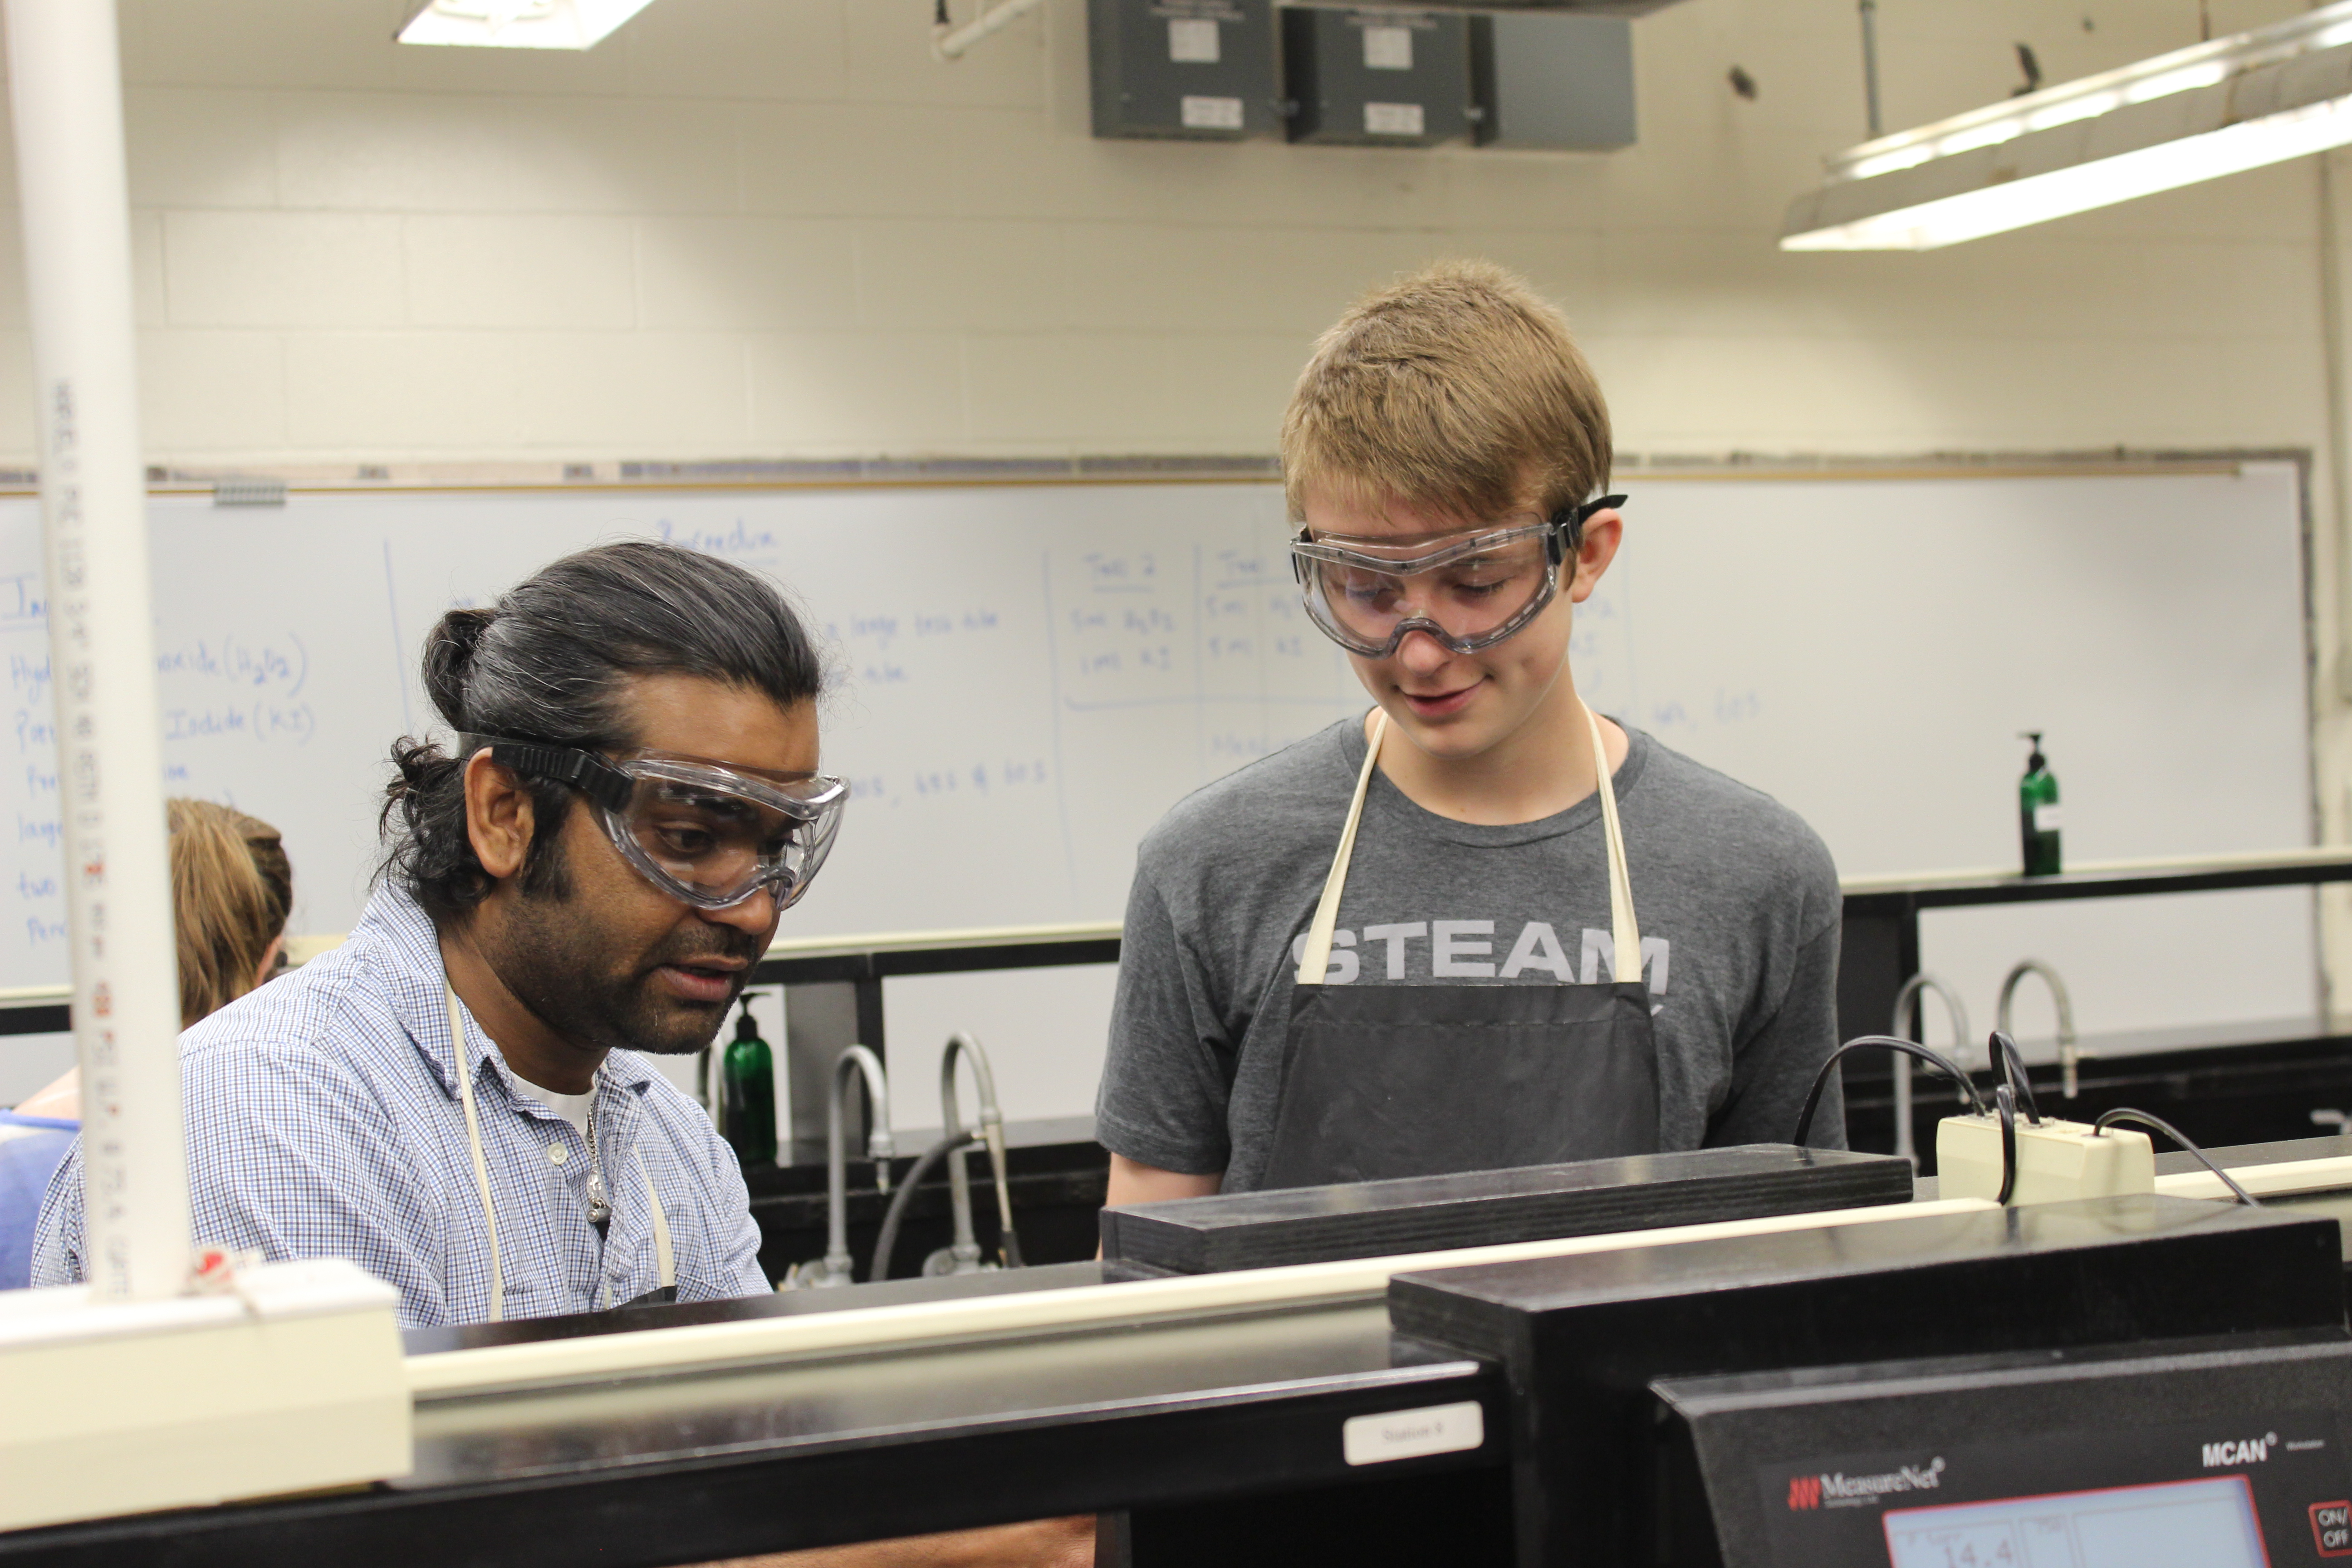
(2331, 1527)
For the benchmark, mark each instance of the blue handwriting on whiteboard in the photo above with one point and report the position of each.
(23, 601)
(240, 662)
(263, 721)
(739, 540)
(976, 778)
(1119, 574)
(1734, 707)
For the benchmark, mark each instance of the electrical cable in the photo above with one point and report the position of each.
(1008, 1247)
(886, 1241)
(1934, 1058)
(2125, 1113)
(2004, 1098)
(2012, 1065)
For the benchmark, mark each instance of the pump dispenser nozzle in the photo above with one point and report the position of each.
(2037, 807)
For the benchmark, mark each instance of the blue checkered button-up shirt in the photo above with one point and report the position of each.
(324, 1121)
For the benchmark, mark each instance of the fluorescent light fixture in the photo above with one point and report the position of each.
(519, 24)
(2235, 103)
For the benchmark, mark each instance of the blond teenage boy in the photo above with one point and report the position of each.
(1440, 938)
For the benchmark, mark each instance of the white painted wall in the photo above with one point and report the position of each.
(780, 229)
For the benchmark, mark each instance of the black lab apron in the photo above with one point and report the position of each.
(1419, 1080)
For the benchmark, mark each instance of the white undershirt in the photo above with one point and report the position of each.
(573, 1108)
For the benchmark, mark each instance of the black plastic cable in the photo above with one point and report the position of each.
(2005, 1057)
(886, 1241)
(2004, 1099)
(1008, 1245)
(2125, 1113)
(1934, 1058)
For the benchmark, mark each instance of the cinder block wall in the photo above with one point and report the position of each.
(781, 227)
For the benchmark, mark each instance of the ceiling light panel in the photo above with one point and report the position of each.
(519, 24)
(2196, 114)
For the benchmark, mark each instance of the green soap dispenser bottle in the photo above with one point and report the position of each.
(2037, 811)
(747, 1093)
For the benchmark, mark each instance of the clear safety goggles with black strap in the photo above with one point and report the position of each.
(1469, 591)
(708, 834)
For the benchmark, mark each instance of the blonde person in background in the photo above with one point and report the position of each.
(232, 890)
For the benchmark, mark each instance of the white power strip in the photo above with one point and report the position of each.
(2055, 1160)
(293, 1381)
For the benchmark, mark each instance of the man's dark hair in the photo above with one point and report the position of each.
(549, 662)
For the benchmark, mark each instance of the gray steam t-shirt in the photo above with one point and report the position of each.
(1736, 899)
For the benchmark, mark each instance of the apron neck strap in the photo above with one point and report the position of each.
(474, 1147)
(1317, 957)
(1625, 932)
(665, 1251)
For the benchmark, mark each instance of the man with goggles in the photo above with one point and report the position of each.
(1410, 943)
(461, 1098)
(705, 833)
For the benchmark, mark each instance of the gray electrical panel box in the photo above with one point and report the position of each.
(1551, 80)
(1200, 70)
(1377, 78)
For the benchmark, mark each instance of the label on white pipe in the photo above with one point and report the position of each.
(1411, 1434)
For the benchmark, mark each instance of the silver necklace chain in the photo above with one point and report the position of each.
(600, 1207)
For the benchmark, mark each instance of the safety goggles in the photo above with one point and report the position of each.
(1469, 591)
(705, 833)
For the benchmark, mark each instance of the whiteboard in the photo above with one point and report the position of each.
(1027, 677)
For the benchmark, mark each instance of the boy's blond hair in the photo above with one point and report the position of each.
(1456, 390)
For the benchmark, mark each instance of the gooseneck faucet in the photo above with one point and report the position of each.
(1905, 1144)
(2067, 1055)
(965, 1249)
(848, 1067)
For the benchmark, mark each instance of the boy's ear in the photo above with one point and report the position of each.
(1603, 531)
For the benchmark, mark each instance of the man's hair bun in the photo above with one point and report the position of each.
(449, 650)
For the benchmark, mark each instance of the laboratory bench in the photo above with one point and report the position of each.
(1190, 1428)
(1608, 1404)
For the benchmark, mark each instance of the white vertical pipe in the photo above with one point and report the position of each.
(66, 93)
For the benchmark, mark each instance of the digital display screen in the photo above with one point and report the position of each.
(2205, 1523)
